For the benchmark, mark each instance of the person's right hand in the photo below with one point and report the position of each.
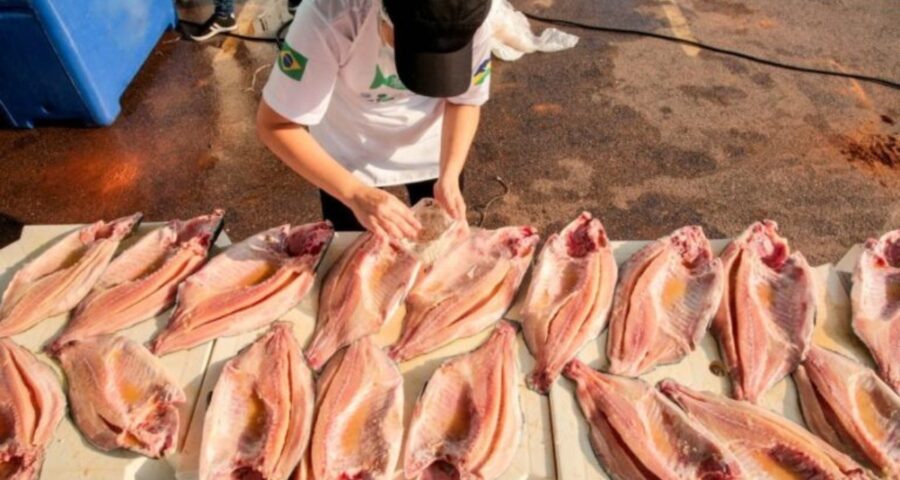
(383, 214)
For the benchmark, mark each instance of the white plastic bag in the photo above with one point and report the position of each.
(512, 36)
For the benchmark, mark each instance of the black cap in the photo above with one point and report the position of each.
(433, 43)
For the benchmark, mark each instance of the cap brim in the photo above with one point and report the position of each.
(445, 74)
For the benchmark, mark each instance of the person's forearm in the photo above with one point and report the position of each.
(460, 125)
(294, 145)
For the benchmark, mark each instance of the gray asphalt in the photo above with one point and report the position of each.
(645, 134)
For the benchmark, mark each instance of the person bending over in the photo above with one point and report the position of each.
(374, 93)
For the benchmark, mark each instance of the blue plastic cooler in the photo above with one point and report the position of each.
(70, 60)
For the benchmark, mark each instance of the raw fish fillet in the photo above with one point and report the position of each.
(765, 444)
(31, 406)
(361, 291)
(258, 422)
(668, 293)
(851, 408)
(120, 395)
(876, 304)
(466, 290)
(568, 298)
(142, 281)
(246, 287)
(55, 281)
(637, 433)
(765, 320)
(468, 422)
(359, 420)
(370, 280)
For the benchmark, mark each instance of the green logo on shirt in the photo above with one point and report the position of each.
(392, 81)
(291, 62)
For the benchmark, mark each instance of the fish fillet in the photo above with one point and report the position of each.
(31, 406)
(668, 293)
(876, 304)
(361, 291)
(765, 320)
(373, 276)
(765, 444)
(142, 281)
(637, 433)
(466, 290)
(258, 422)
(359, 419)
(55, 281)
(246, 287)
(468, 422)
(851, 408)
(568, 298)
(120, 395)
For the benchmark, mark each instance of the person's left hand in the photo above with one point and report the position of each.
(448, 195)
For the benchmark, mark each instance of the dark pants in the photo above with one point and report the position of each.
(224, 8)
(344, 220)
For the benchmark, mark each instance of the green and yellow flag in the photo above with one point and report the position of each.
(291, 62)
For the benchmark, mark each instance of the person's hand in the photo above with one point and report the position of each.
(383, 214)
(448, 195)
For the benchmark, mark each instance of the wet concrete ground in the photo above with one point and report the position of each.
(646, 134)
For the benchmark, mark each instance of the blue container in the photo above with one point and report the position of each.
(69, 61)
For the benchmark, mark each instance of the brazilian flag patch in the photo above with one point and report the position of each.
(482, 73)
(291, 62)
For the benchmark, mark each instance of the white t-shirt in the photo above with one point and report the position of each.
(336, 75)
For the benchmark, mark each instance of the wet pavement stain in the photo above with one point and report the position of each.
(658, 212)
(873, 149)
(718, 94)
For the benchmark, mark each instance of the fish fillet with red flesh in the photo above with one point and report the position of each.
(851, 408)
(876, 304)
(142, 281)
(31, 406)
(372, 278)
(568, 298)
(248, 286)
(668, 293)
(765, 444)
(360, 293)
(359, 420)
(637, 433)
(258, 423)
(468, 422)
(765, 320)
(121, 397)
(60, 277)
(466, 290)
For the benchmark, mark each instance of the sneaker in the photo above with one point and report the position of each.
(215, 25)
(292, 5)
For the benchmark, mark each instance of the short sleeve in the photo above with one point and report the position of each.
(303, 77)
(479, 89)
